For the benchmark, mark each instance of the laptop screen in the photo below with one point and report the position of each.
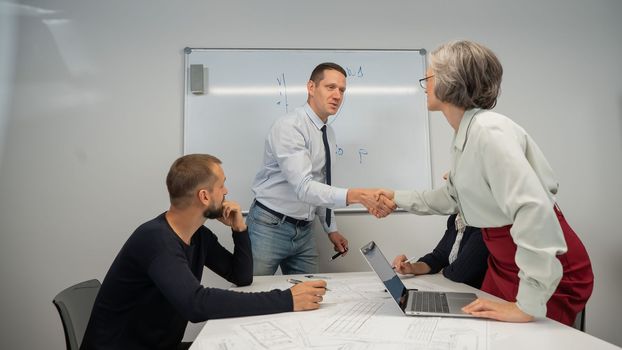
(383, 269)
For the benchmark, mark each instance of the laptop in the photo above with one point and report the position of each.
(413, 302)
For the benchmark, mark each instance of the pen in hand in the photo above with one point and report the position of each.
(404, 262)
(338, 254)
(295, 281)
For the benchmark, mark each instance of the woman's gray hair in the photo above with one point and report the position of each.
(466, 74)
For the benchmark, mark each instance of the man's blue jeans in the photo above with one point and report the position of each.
(276, 242)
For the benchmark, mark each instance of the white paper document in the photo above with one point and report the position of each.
(356, 314)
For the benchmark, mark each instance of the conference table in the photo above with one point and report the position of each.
(358, 313)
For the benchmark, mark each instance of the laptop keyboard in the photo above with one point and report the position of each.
(429, 302)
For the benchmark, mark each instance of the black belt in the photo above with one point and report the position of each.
(291, 220)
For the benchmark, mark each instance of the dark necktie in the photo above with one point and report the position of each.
(327, 167)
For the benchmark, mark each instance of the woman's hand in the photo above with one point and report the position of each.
(400, 266)
(497, 310)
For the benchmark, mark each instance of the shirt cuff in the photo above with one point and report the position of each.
(529, 300)
(402, 199)
(234, 232)
(333, 223)
(341, 195)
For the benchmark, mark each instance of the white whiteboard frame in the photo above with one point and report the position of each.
(186, 88)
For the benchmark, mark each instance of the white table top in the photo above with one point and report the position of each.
(358, 314)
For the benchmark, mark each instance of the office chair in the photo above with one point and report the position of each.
(74, 306)
(579, 322)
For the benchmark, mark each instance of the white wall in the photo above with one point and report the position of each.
(93, 119)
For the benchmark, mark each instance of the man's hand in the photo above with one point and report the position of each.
(308, 295)
(387, 205)
(497, 310)
(373, 200)
(232, 216)
(384, 203)
(339, 241)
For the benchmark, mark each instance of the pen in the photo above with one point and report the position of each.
(320, 277)
(338, 254)
(295, 281)
(407, 261)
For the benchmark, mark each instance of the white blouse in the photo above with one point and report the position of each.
(500, 177)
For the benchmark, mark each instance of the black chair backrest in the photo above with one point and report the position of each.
(579, 322)
(74, 305)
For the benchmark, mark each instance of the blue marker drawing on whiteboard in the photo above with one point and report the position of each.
(283, 91)
(362, 152)
(358, 73)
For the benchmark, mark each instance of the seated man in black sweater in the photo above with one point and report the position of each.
(462, 256)
(153, 287)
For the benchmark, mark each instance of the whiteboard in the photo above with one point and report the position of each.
(381, 128)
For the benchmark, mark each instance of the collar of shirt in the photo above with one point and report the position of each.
(463, 128)
(314, 118)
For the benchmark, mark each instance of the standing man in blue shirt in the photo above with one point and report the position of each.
(293, 184)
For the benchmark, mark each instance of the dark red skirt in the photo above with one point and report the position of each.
(573, 290)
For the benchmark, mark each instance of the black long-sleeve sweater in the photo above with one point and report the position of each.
(153, 289)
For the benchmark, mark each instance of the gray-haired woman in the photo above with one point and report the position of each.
(501, 181)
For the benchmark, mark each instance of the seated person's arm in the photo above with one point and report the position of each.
(236, 268)
(417, 268)
(432, 262)
(196, 303)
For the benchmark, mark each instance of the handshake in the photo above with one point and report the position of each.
(379, 202)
